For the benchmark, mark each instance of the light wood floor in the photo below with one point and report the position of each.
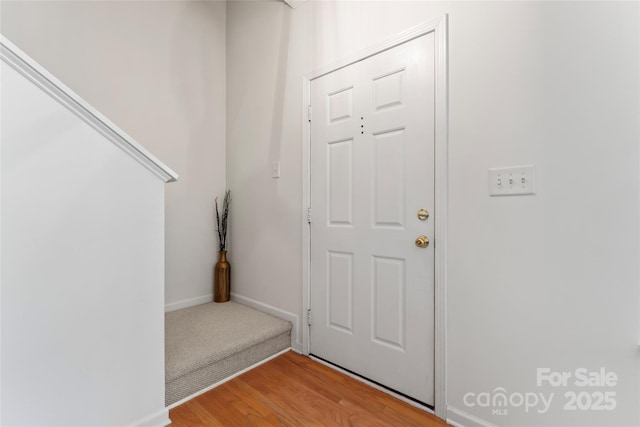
(293, 390)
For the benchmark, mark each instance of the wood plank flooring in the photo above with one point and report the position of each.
(293, 390)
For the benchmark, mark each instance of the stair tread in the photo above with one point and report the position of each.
(199, 336)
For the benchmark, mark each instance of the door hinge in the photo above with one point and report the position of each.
(309, 112)
(309, 215)
(309, 317)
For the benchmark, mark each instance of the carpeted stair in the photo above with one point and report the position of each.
(209, 342)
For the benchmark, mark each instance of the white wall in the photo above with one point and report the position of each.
(544, 281)
(82, 298)
(157, 70)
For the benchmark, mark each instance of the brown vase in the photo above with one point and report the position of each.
(222, 279)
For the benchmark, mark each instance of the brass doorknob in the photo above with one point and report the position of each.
(422, 241)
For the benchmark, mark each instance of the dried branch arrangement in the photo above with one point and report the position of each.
(222, 220)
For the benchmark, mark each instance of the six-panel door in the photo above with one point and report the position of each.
(372, 171)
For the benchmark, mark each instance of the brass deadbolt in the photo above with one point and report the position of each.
(423, 214)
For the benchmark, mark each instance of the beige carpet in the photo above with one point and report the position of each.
(207, 343)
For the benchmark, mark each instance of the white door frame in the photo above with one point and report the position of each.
(439, 28)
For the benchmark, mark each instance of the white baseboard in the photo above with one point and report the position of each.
(458, 418)
(159, 419)
(237, 374)
(188, 303)
(274, 311)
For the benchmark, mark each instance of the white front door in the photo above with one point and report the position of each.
(372, 172)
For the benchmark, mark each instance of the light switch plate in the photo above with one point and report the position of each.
(275, 170)
(512, 181)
